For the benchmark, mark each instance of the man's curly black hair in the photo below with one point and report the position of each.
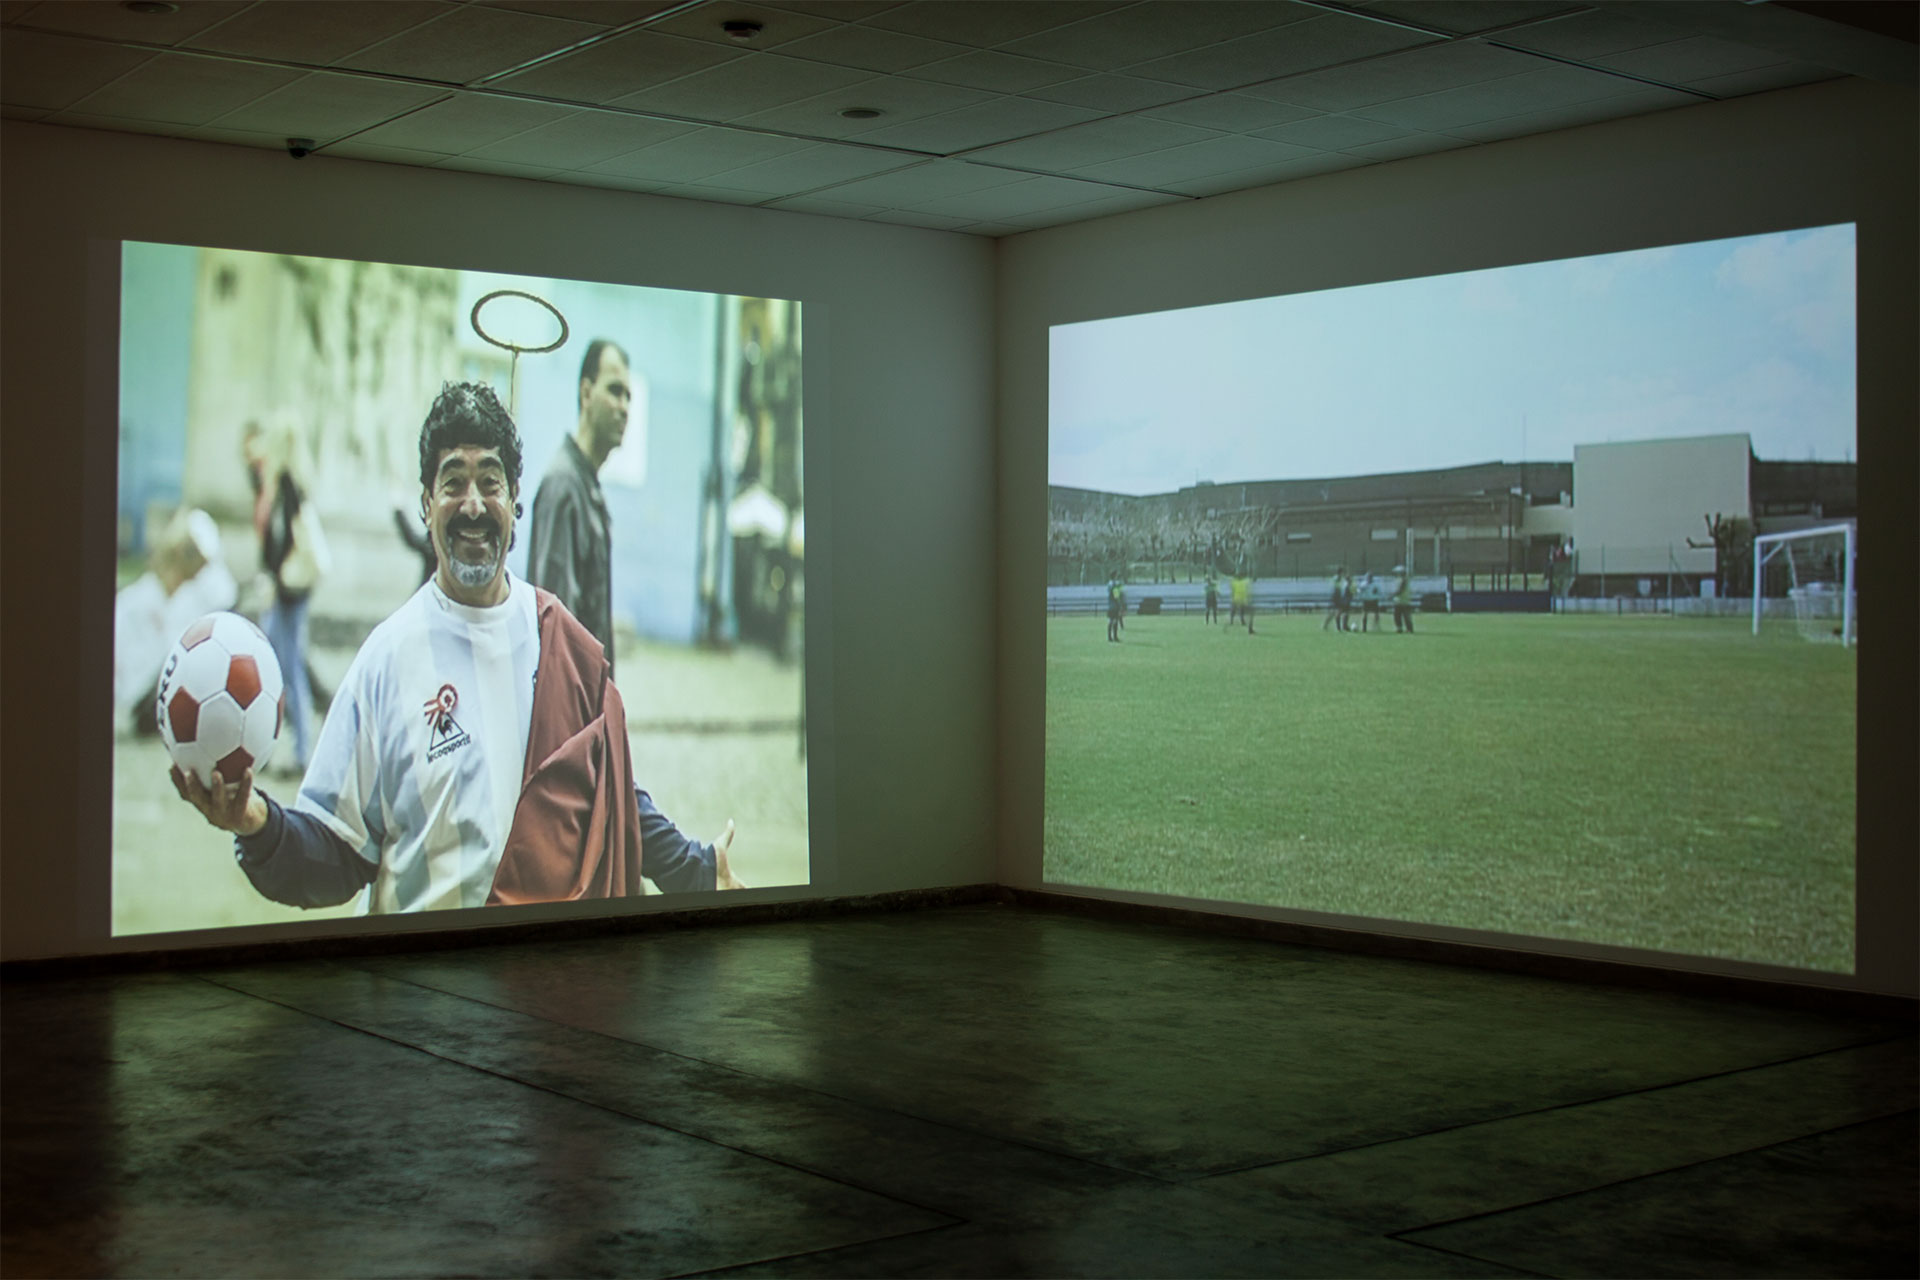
(468, 413)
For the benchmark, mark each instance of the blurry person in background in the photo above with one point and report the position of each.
(571, 549)
(186, 577)
(417, 541)
(293, 553)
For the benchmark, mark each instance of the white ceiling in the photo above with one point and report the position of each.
(996, 116)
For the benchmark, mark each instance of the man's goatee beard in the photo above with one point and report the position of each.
(474, 576)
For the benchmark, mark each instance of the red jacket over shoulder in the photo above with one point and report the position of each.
(576, 830)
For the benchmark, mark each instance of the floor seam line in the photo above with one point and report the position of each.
(1601, 1100)
(1642, 1177)
(598, 1106)
(783, 1084)
(1473, 1257)
(810, 1253)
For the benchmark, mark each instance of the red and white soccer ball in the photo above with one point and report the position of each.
(220, 698)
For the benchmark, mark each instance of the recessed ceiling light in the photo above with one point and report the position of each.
(860, 113)
(741, 29)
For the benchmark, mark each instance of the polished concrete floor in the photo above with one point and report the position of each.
(979, 1091)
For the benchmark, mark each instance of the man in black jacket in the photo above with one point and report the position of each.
(571, 551)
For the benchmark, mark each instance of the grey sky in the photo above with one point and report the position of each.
(1751, 335)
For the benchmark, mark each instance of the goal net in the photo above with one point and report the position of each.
(1813, 570)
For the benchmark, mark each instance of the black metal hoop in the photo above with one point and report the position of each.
(555, 345)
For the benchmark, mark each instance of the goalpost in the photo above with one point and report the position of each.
(1820, 568)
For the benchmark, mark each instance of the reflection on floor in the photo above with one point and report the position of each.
(984, 1090)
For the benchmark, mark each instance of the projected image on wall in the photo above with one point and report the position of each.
(444, 589)
(1519, 600)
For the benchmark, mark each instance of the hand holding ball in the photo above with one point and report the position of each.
(220, 699)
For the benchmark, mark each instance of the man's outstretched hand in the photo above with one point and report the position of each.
(723, 877)
(237, 807)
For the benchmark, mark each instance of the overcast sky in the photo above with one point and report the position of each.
(1750, 335)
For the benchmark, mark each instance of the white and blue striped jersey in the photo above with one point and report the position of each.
(419, 765)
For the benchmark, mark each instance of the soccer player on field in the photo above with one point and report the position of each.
(1403, 602)
(1213, 598)
(445, 775)
(1333, 601)
(1116, 608)
(1243, 600)
(1369, 603)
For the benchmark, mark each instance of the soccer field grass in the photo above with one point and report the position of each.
(1673, 784)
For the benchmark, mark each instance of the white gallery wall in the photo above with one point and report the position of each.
(899, 475)
(1840, 152)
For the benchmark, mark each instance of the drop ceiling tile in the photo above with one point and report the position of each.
(264, 139)
(1300, 47)
(1617, 107)
(1232, 112)
(922, 183)
(357, 149)
(755, 83)
(985, 25)
(808, 170)
(869, 49)
(1331, 133)
(314, 31)
(1413, 144)
(326, 105)
(73, 118)
(52, 72)
(463, 122)
(914, 218)
(898, 98)
(618, 66)
(1267, 175)
(998, 72)
(1094, 142)
(1461, 16)
(1016, 198)
(1535, 91)
(107, 21)
(184, 89)
(1597, 33)
(1101, 207)
(700, 154)
(1140, 33)
(838, 10)
(499, 168)
(580, 140)
(826, 206)
(713, 195)
(610, 181)
(1400, 75)
(998, 120)
(470, 44)
(1112, 92)
(1784, 76)
(1695, 58)
(1217, 155)
(777, 26)
(605, 13)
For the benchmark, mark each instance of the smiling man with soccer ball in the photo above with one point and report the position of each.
(444, 776)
